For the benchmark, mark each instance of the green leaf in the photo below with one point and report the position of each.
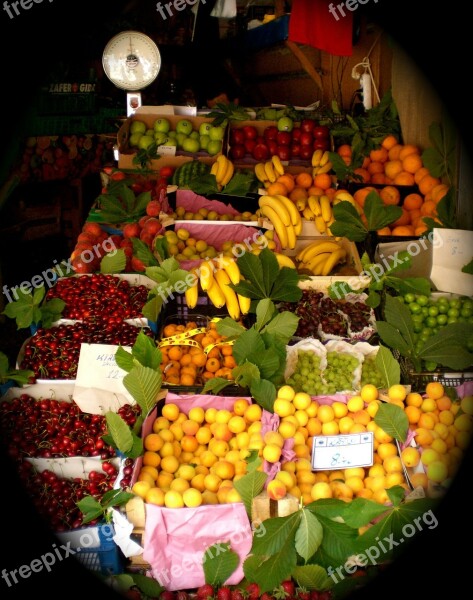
(251, 268)
(446, 210)
(277, 531)
(245, 374)
(239, 185)
(312, 577)
(282, 326)
(113, 262)
(204, 185)
(339, 289)
(115, 498)
(90, 508)
(330, 508)
(468, 268)
(448, 346)
(286, 287)
(374, 299)
(396, 494)
(161, 247)
(51, 311)
(433, 161)
(124, 359)
(153, 306)
(270, 268)
(265, 311)
(147, 585)
(215, 385)
(247, 344)
(247, 289)
(388, 366)
(393, 420)
(219, 563)
(229, 328)
(264, 393)
(119, 431)
(338, 541)
(144, 385)
(249, 486)
(143, 253)
(377, 214)
(390, 336)
(123, 581)
(361, 512)
(146, 352)
(268, 363)
(348, 223)
(137, 447)
(309, 535)
(398, 315)
(413, 285)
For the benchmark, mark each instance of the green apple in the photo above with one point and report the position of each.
(160, 137)
(285, 124)
(194, 135)
(191, 145)
(169, 141)
(180, 137)
(134, 139)
(216, 133)
(184, 126)
(145, 141)
(162, 125)
(204, 142)
(172, 134)
(214, 147)
(150, 132)
(137, 126)
(205, 128)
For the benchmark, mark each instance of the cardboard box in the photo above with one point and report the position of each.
(127, 154)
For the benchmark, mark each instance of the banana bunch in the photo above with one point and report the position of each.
(321, 257)
(269, 171)
(321, 162)
(319, 210)
(223, 169)
(284, 216)
(344, 196)
(214, 277)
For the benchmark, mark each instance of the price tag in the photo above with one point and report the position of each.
(164, 150)
(342, 451)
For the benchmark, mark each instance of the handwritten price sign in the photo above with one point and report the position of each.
(342, 451)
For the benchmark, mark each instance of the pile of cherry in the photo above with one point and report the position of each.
(50, 428)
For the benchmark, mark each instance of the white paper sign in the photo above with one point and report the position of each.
(452, 250)
(99, 382)
(164, 150)
(336, 452)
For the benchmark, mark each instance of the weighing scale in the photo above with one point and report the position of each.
(131, 60)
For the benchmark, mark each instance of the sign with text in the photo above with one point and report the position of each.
(336, 452)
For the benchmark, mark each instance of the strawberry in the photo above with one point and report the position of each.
(167, 595)
(326, 595)
(182, 595)
(205, 591)
(302, 594)
(266, 596)
(289, 587)
(224, 593)
(314, 595)
(238, 594)
(253, 591)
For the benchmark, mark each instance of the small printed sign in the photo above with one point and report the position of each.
(164, 150)
(342, 451)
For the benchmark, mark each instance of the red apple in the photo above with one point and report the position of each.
(237, 151)
(295, 149)
(308, 125)
(321, 132)
(296, 134)
(284, 152)
(284, 138)
(321, 144)
(270, 133)
(272, 147)
(306, 152)
(237, 136)
(249, 145)
(250, 132)
(260, 139)
(306, 139)
(260, 152)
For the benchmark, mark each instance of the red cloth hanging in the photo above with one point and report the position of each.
(312, 23)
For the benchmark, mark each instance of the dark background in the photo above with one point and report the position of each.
(439, 38)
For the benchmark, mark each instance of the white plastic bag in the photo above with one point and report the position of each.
(224, 9)
(341, 346)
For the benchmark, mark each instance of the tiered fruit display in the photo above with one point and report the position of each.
(285, 139)
(191, 365)
(207, 138)
(321, 257)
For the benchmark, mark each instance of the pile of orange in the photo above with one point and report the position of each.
(191, 365)
(393, 165)
(297, 186)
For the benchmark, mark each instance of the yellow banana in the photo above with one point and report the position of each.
(325, 158)
(293, 212)
(206, 275)
(318, 248)
(277, 164)
(326, 208)
(231, 299)
(320, 224)
(343, 195)
(336, 257)
(291, 236)
(314, 204)
(260, 172)
(214, 169)
(316, 157)
(229, 264)
(244, 303)
(278, 225)
(278, 206)
(316, 264)
(270, 173)
(325, 169)
(308, 214)
(284, 261)
(216, 295)
(228, 173)
(301, 203)
(192, 292)
(222, 162)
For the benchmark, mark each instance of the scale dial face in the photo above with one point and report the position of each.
(131, 60)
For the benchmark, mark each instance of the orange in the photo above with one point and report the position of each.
(404, 178)
(408, 149)
(214, 353)
(412, 163)
(438, 192)
(392, 168)
(384, 231)
(360, 195)
(404, 219)
(420, 174)
(199, 359)
(323, 181)
(390, 195)
(287, 180)
(304, 180)
(381, 155)
(364, 174)
(427, 184)
(393, 152)
(375, 167)
(346, 159)
(420, 229)
(169, 330)
(415, 216)
(378, 178)
(298, 193)
(389, 142)
(187, 379)
(186, 360)
(315, 191)
(344, 150)
(429, 209)
(412, 201)
(277, 188)
(366, 162)
(402, 230)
